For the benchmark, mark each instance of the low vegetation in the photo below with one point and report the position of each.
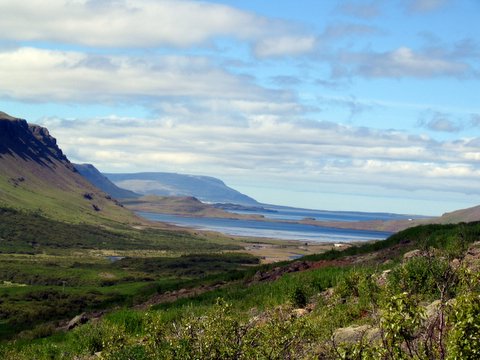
(51, 270)
(32, 233)
(415, 295)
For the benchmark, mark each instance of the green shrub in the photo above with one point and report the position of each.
(348, 285)
(425, 276)
(132, 321)
(401, 321)
(464, 336)
(298, 298)
(88, 339)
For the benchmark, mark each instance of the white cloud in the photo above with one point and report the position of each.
(441, 122)
(271, 149)
(127, 23)
(286, 45)
(423, 6)
(49, 75)
(402, 62)
(475, 120)
(405, 62)
(145, 24)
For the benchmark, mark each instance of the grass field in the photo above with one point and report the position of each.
(51, 271)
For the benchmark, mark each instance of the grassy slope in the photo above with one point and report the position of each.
(264, 296)
(265, 305)
(50, 270)
(22, 231)
(57, 192)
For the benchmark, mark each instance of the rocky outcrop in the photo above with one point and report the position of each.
(472, 257)
(30, 142)
(77, 321)
(354, 334)
(412, 254)
(277, 272)
(33, 168)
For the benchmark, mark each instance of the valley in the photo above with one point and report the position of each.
(83, 276)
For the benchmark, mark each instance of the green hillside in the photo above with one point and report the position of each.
(415, 295)
(35, 175)
(82, 278)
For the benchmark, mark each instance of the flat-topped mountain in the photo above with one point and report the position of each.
(204, 188)
(92, 174)
(36, 175)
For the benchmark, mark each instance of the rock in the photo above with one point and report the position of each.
(354, 334)
(311, 306)
(455, 264)
(382, 278)
(472, 258)
(327, 294)
(299, 312)
(411, 254)
(77, 321)
(277, 272)
(431, 309)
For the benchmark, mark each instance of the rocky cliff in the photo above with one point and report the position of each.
(36, 175)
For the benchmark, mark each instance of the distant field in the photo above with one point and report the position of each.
(51, 270)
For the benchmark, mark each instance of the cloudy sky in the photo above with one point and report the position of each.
(364, 105)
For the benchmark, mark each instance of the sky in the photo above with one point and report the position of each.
(339, 105)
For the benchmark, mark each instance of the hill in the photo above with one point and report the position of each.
(182, 205)
(455, 217)
(412, 296)
(204, 188)
(90, 172)
(463, 215)
(35, 175)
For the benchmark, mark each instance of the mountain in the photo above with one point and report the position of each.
(204, 188)
(91, 173)
(36, 175)
(463, 215)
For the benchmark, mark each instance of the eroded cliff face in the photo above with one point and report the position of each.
(36, 175)
(29, 142)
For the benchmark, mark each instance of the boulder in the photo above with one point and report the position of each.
(300, 312)
(472, 257)
(432, 309)
(382, 278)
(411, 254)
(354, 334)
(77, 321)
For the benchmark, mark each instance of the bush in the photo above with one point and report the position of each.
(425, 276)
(464, 338)
(131, 321)
(298, 298)
(401, 321)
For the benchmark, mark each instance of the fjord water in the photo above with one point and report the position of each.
(284, 230)
(289, 213)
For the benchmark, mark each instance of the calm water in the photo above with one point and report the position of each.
(278, 230)
(287, 213)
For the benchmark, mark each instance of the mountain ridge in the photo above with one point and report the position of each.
(94, 176)
(35, 175)
(204, 188)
